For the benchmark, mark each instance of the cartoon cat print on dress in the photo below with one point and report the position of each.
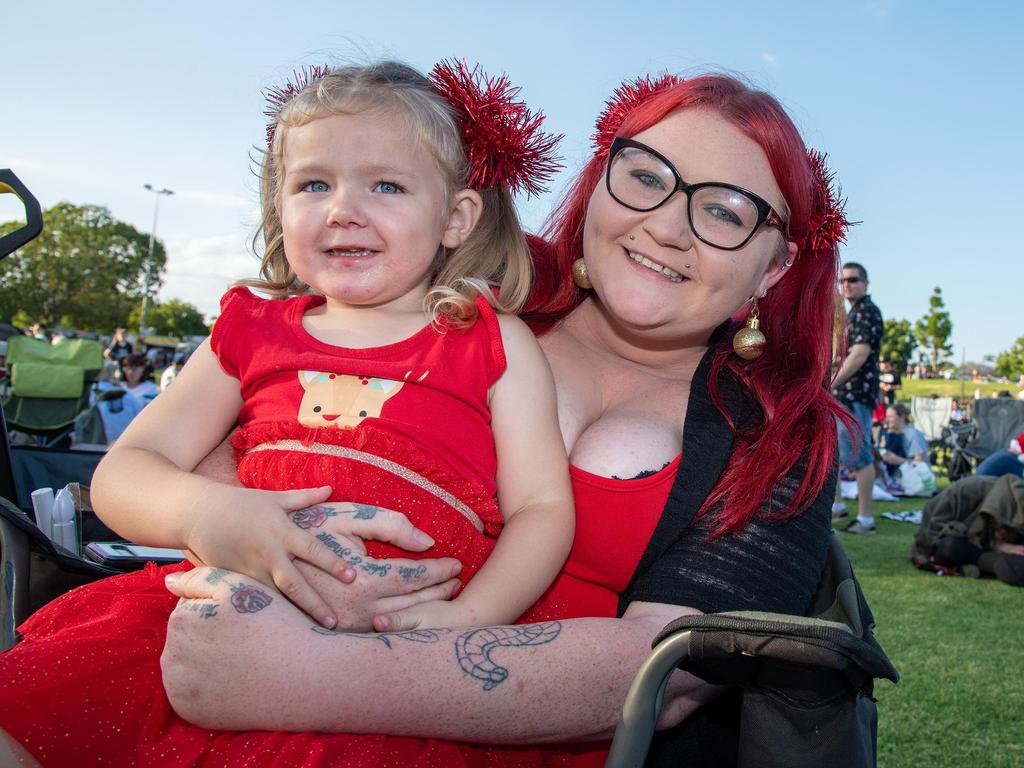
(344, 400)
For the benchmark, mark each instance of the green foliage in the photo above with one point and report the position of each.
(1011, 362)
(22, 319)
(934, 329)
(171, 318)
(84, 270)
(898, 343)
(954, 642)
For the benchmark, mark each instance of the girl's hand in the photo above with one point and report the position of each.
(249, 531)
(433, 614)
(381, 586)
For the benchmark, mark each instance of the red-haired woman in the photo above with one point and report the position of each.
(703, 465)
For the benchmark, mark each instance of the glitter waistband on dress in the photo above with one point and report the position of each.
(380, 463)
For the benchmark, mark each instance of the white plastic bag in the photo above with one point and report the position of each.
(917, 479)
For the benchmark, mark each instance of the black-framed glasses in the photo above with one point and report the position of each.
(851, 280)
(722, 215)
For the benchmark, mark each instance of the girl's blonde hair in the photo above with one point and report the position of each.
(493, 262)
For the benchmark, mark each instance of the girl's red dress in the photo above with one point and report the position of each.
(83, 686)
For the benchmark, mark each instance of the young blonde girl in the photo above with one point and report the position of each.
(385, 369)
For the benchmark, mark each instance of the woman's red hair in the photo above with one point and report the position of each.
(790, 380)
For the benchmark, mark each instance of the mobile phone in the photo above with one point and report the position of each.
(121, 553)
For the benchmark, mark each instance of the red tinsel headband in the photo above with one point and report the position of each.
(827, 224)
(502, 138)
(279, 96)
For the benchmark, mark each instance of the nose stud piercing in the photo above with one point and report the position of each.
(632, 237)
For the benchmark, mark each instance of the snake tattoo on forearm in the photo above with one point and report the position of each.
(473, 649)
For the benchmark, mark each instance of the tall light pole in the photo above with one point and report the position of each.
(149, 257)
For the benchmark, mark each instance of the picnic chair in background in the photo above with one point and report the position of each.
(50, 385)
(806, 682)
(996, 421)
(931, 416)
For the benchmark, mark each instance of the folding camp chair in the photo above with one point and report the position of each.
(50, 385)
(806, 682)
(997, 421)
(932, 416)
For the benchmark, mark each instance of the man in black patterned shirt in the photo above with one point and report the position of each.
(855, 385)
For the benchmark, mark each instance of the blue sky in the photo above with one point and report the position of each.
(917, 103)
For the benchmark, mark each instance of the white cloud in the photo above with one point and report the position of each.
(770, 58)
(200, 270)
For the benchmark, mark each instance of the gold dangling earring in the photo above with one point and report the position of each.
(580, 276)
(749, 342)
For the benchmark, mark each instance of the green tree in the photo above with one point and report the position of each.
(898, 343)
(84, 271)
(1011, 362)
(171, 318)
(934, 329)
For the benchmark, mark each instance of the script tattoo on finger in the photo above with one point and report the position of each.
(345, 553)
(216, 575)
(473, 649)
(205, 610)
(425, 636)
(412, 573)
(314, 516)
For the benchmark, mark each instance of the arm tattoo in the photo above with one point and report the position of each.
(316, 515)
(413, 636)
(350, 557)
(473, 649)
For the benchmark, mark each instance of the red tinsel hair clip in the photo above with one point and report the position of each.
(279, 96)
(502, 137)
(624, 100)
(827, 225)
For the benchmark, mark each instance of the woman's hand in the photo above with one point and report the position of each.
(368, 587)
(381, 586)
(218, 637)
(249, 531)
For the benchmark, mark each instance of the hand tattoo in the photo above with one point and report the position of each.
(316, 515)
(247, 598)
(363, 511)
(216, 575)
(205, 610)
(345, 553)
(410, 573)
(473, 649)
(313, 517)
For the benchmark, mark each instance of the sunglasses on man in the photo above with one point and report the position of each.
(850, 280)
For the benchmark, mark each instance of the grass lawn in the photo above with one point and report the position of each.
(959, 647)
(955, 389)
